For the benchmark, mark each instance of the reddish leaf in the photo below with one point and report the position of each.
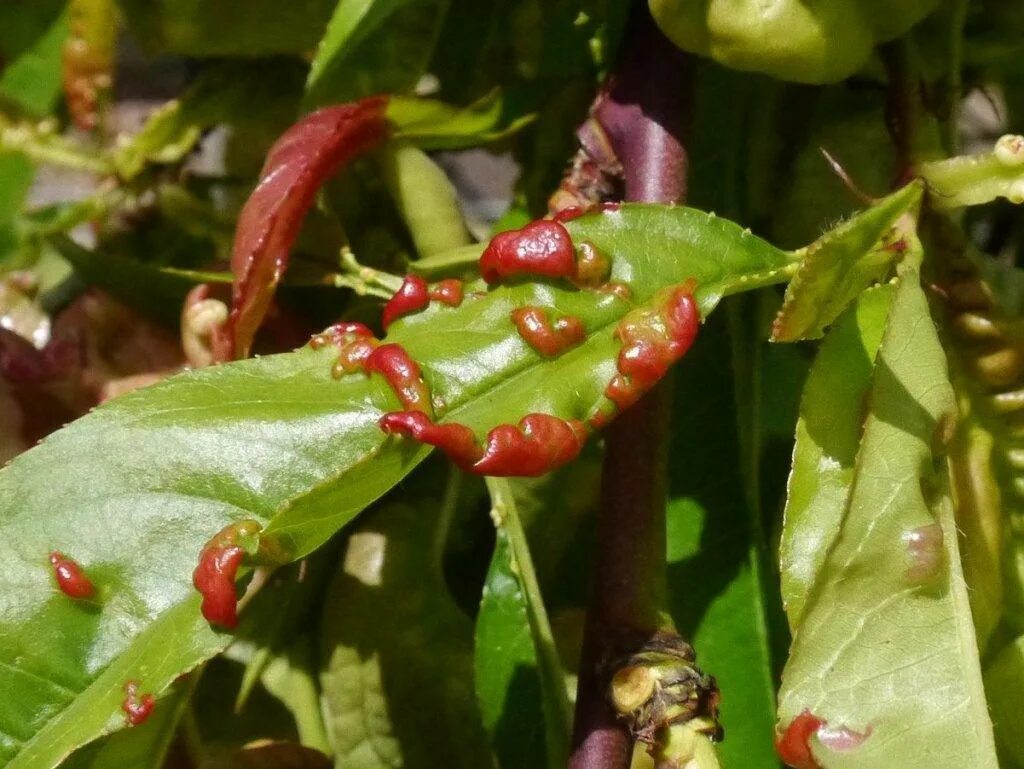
(306, 154)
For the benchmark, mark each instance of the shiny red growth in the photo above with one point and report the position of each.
(542, 248)
(299, 162)
(136, 707)
(609, 206)
(539, 444)
(653, 338)
(448, 291)
(549, 339)
(214, 576)
(70, 578)
(455, 440)
(411, 297)
(403, 375)
(794, 744)
(568, 214)
(355, 343)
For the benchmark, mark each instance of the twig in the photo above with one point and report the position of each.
(642, 112)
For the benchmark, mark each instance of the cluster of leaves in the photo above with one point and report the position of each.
(386, 619)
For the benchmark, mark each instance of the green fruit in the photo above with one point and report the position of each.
(808, 41)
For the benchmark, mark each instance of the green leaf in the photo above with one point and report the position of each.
(426, 199)
(827, 435)
(144, 746)
(885, 648)
(148, 478)
(719, 598)
(16, 175)
(227, 27)
(31, 44)
(841, 264)
(1004, 681)
(973, 180)
(374, 46)
(397, 672)
(434, 125)
(223, 94)
(517, 665)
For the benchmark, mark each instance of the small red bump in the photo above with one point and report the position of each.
(411, 297)
(353, 355)
(592, 266)
(337, 333)
(136, 707)
(455, 440)
(547, 338)
(448, 291)
(926, 553)
(620, 290)
(794, 744)
(402, 374)
(70, 578)
(542, 248)
(609, 206)
(568, 214)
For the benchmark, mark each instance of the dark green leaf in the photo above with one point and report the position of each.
(374, 46)
(518, 673)
(397, 668)
(31, 44)
(719, 595)
(227, 27)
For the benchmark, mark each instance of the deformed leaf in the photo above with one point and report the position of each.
(148, 478)
(841, 264)
(305, 155)
(827, 435)
(884, 668)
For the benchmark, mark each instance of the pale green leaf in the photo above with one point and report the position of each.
(885, 647)
(827, 435)
(841, 264)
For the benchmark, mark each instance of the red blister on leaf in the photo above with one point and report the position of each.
(297, 165)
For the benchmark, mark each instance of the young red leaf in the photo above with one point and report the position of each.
(306, 154)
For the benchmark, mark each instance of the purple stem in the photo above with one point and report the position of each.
(643, 112)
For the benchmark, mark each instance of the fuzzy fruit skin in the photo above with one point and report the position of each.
(807, 41)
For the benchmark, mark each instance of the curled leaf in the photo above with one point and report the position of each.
(305, 155)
